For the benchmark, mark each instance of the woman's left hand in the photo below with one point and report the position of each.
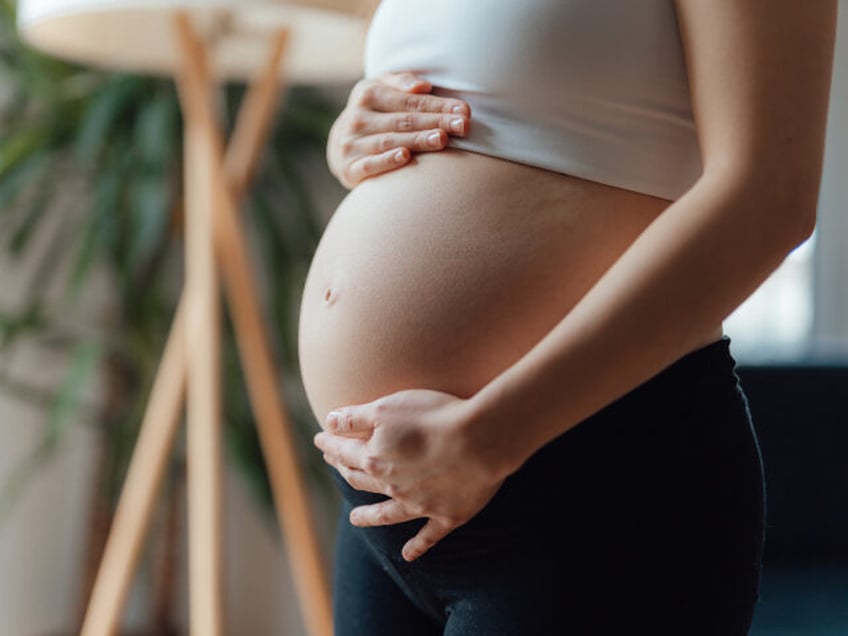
(419, 448)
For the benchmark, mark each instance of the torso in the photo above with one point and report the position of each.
(444, 272)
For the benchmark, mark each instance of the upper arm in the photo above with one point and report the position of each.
(759, 76)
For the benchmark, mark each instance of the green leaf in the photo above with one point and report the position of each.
(156, 130)
(33, 213)
(20, 146)
(31, 319)
(100, 232)
(84, 362)
(103, 114)
(28, 169)
(150, 205)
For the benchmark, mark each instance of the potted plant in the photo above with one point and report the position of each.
(115, 141)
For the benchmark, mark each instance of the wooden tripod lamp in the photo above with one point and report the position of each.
(203, 42)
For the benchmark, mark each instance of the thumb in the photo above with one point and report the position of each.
(407, 81)
(350, 419)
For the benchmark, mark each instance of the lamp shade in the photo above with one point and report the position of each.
(326, 39)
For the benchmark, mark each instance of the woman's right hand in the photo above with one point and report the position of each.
(385, 120)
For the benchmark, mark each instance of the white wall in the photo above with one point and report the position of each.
(831, 260)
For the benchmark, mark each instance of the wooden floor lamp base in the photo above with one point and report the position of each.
(215, 245)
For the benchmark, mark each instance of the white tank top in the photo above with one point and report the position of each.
(592, 88)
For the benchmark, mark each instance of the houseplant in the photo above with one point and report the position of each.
(114, 140)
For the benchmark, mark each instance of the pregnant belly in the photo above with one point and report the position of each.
(445, 272)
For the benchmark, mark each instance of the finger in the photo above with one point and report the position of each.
(378, 153)
(406, 81)
(427, 537)
(362, 481)
(350, 419)
(381, 514)
(348, 451)
(370, 122)
(380, 97)
(371, 165)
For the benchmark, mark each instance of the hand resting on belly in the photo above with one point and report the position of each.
(427, 283)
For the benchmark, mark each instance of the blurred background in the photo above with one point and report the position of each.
(90, 273)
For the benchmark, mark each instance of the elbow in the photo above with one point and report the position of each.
(789, 225)
(792, 194)
(780, 196)
(783, 202)
(798, 215)
(807, 226)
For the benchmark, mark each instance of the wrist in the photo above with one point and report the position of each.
(495, 435)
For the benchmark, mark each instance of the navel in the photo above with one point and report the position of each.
(330, 295)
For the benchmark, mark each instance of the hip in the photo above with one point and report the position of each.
(673, 459)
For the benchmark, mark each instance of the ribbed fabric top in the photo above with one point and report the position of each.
(592, 88)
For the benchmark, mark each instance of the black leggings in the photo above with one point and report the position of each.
(647, 518)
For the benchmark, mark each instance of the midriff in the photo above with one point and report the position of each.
(443, 273)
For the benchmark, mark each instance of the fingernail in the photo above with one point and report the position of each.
(458, 109)
(457, 124)
(398, 156)
(434, 138)
(333, 420)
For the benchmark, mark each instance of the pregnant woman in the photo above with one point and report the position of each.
(514, 344)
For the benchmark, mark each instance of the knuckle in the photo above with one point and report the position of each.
(367, 93)
(371, 464)
(418, 509)
(386, 142)
(355, 171)
(453, 519)
(346, 147)
(356, 92)
(414, 103)
(405, 122)
(347, 177)
(357, 121)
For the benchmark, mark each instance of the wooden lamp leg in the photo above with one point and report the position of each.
(144, 477)
(132, 517)
(288, 487)
(202, 338)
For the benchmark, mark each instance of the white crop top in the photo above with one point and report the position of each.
(592, 88)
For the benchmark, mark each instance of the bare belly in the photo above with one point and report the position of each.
(443, 273)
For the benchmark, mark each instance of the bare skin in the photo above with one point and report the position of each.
(436, 422)
(385, 121)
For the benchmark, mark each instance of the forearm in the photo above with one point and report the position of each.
(687, 271)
